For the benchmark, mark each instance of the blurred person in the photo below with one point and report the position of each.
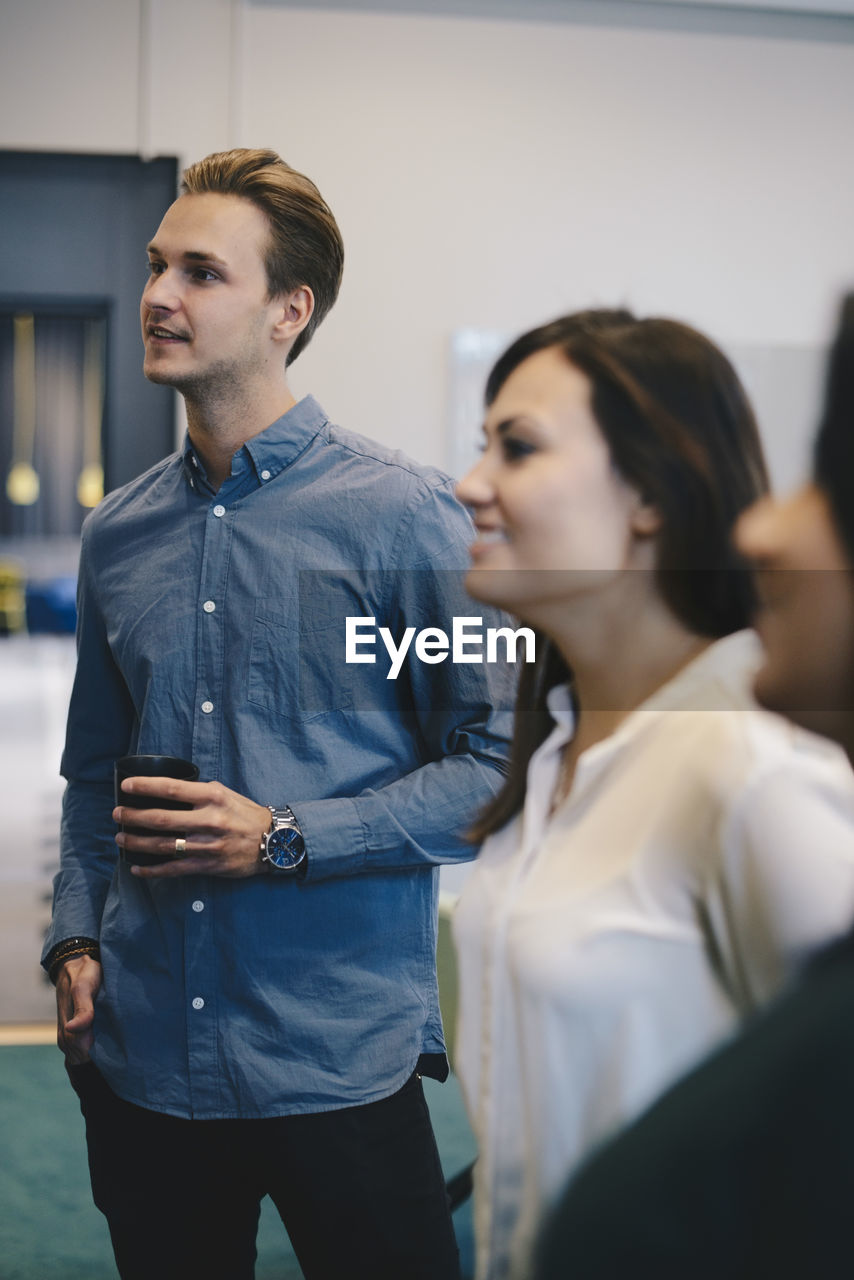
(644, 884)
(253, 1013)
(744, 1169)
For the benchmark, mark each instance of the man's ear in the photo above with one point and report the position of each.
(293, 312)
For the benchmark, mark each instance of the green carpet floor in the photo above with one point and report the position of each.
(49, 1228)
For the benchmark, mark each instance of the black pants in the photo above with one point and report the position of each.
(360, 1190)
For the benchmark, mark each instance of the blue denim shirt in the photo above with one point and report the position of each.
(211, 626)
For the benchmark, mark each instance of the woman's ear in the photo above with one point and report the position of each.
(646, 518)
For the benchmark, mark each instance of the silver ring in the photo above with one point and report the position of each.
(180, 846)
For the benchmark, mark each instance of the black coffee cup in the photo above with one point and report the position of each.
(151, 767)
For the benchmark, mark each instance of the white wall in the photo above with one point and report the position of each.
(484, 172)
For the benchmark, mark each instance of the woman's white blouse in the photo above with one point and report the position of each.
(705, 849)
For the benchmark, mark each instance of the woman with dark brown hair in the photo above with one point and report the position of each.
(643, 884)
(744, 1169)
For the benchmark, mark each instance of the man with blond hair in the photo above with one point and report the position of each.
(247, 1008)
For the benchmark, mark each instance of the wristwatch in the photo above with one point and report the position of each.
(282, 847)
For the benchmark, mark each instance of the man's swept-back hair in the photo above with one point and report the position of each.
(305, 244)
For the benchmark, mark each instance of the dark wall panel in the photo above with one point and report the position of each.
(75, 227)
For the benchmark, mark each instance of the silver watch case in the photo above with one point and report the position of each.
(283, 846)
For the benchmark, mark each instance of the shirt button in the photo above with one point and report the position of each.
(198, 1003)
(265, 475)
(209, 606)
(207, 707)
(219, 510)
(198, 905)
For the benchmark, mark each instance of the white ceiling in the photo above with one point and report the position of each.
(788, 6)
(608, 12)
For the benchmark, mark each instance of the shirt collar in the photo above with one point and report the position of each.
(719, 676)
(559, 703)
(273, 449)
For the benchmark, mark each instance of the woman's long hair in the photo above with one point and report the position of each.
(681, 430)
(833, 459)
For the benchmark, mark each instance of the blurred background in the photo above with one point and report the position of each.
(492, 163)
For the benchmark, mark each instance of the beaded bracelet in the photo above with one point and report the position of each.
(69, 949)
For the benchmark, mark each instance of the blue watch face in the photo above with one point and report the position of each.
(286, 848)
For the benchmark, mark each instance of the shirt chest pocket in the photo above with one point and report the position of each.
(297, 670)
